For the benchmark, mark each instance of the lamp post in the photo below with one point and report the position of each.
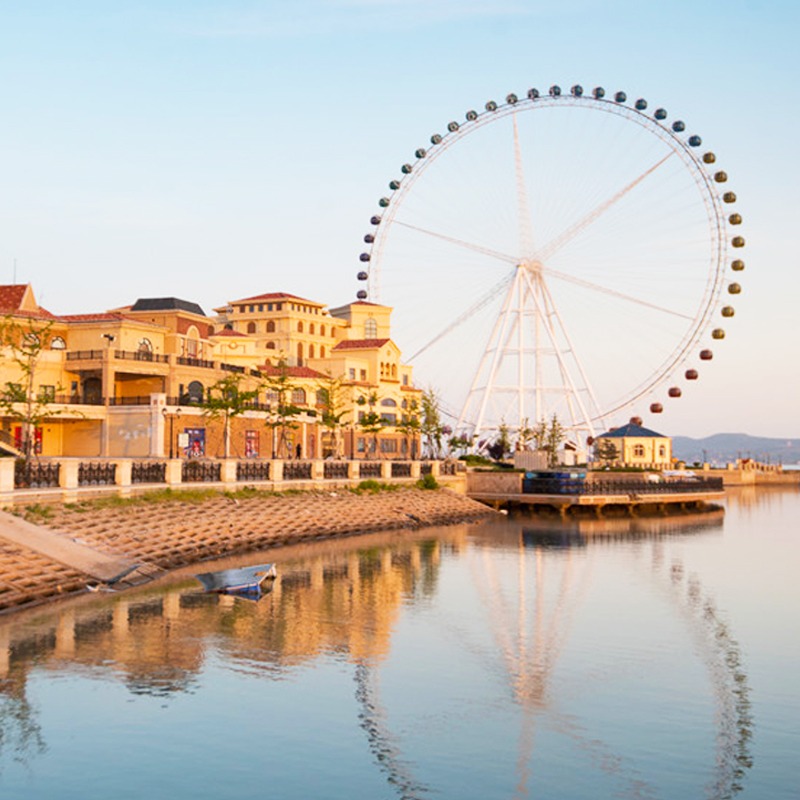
(171, 418)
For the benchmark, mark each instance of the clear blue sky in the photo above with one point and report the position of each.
(212, 150)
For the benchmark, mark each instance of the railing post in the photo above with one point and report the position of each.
(68, 474)
(6, 482)
(276, 470)
(386, 470)
(416, 468)
(317, 470)
(122, 476)
(172, 475)
(227, 472)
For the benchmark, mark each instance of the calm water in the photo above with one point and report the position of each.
(601, 659)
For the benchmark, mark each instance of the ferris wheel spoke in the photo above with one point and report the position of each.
(554, 245)
(471, 311)
(477, 248)
(596, 287)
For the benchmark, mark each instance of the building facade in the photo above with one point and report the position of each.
(139, 381)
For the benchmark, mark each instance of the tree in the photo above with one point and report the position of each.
(431, 423)
(370, 421)
(25, 402)
(460, 443)
(282, 410)
(409, 426)
(225, 400)
(501, 445)
(605, 450)
(554, 436)
(331, 396)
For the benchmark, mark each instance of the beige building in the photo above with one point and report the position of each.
(635, 446)
(128, 382)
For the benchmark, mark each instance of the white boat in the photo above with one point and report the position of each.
(243, 580)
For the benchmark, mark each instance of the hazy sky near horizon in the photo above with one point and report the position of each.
(213, 149)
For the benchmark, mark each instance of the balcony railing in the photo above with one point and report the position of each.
(84, 355)
(141, 355)
(190, 361)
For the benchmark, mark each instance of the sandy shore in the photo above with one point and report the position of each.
(167, 535)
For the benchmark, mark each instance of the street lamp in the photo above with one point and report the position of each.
(171, 418)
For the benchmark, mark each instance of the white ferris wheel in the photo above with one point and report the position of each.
(561, 253)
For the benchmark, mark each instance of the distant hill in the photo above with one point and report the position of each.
(722, 448)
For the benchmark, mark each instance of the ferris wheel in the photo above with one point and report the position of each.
(561, 253)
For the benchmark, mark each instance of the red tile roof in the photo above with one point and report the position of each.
(360, 344)
(107, 316)
(11, 296)
(229, 332)
(292, 372)
(259, 298)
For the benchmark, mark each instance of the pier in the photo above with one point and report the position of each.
(596, 493)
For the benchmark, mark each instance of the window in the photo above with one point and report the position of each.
(299, 397)
(47, 394)
(251, 444)
(361, 444)
(195, 392)
(300, 354)
(352, 373)
(271, 326)
(252, 309)
(145, 346)
(389, 419)
(311, 328)
(638, 450)
(389, 402)
(322, 352)
(251, 327)
(394, 371)
(370, 329)
(241, 309)
(269, 306)
(662, 451)
(388, 445)
(405, 380)
(278, 306)
(363, 374)
(58, 343)
(270, 345)
(300, 327)
(321, 330)
(311, 351)
(260, 306)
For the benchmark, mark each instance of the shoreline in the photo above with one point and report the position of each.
(170, 534)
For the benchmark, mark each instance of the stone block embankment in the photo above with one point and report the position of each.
(171, 534)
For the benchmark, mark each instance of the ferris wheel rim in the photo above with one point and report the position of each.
(686, 147)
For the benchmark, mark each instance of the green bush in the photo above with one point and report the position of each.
(427, 482)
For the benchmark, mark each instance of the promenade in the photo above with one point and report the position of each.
(69, 548)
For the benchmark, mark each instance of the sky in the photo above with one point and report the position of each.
(213, 150)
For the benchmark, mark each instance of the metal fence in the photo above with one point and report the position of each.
(583, 487)
(297, 471)
(148, 472)
(252, 470)
(401, 469)
(335, 469)
(198, 471)
(35, 475)
(369, 469)
(96, 473)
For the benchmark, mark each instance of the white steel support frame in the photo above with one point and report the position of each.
(529, 330)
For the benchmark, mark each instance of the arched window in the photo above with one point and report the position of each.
(389, 402)
(251, 327)
(58, 343)
(321, 330)
(299, 397)
(145, 346)
(662, 451)
(299, 354)
(194, 392)
(394, 371)
(192, 342)
(311, 351)
(271, 326)
(270, 345)
(322, 351)
(311, 328)
(300, 326)
(370, 329)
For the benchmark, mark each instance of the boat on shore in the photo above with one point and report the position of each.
(253, 580)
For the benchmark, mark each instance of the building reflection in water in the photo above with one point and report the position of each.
(343, 598)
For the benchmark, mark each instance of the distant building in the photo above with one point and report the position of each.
(635, 446)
